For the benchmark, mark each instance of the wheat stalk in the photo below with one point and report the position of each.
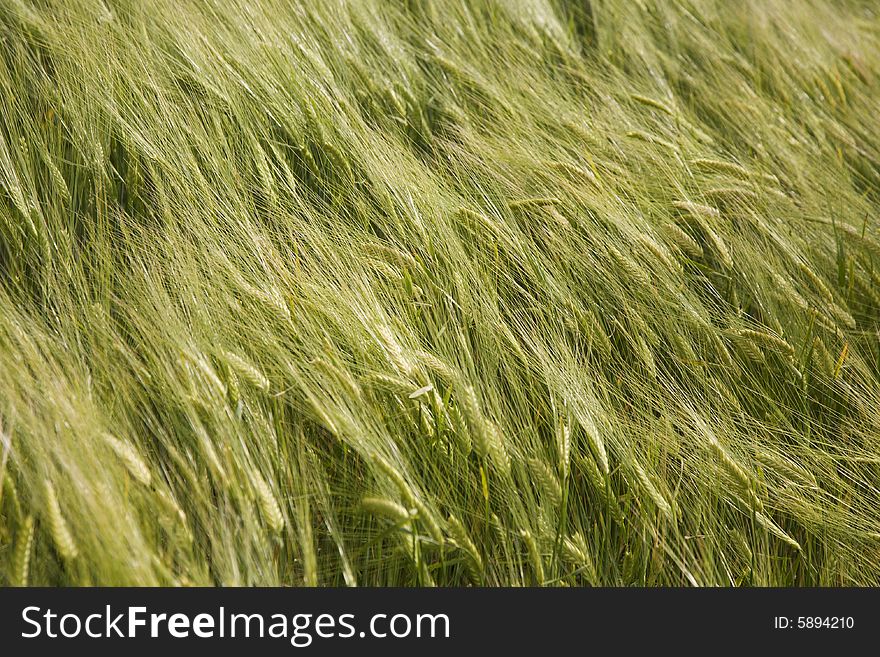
(534, 203)
(64, 542)
(575, 172)
(766, 341)
(268, 504)
(737, 472)
(632, 269)
(777, 531)
(130, 458)
(646, 137)
(697, 210)
(652, 102)
(534, 555)
(381, 506)
(21, 557)
(685, 243)
(722, 166)
(563, 447)
(575, 550)
(817, 282)
(436, 365)
(461, 538)
(547, 481)
(650, 488)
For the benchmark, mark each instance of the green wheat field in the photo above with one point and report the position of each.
(440, 292)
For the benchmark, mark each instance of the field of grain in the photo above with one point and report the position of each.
(440, 292)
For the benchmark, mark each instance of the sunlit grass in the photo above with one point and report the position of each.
(439, 292)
